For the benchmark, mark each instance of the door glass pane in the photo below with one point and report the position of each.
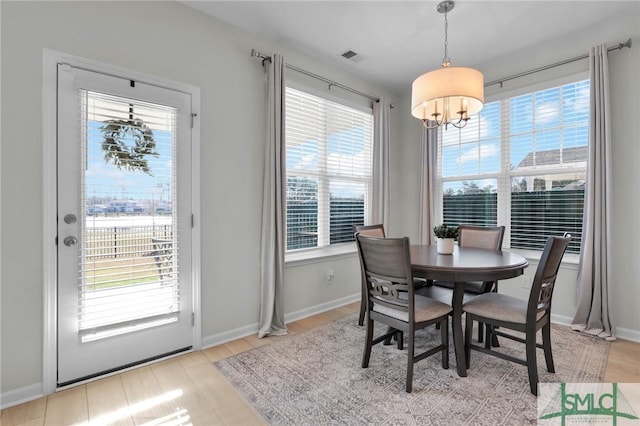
(128, 276)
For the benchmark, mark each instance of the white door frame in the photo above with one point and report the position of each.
(50, 59)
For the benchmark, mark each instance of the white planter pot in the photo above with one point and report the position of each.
(445, 245)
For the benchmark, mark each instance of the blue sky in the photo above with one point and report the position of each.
(533, 127)
(346, 155)
(107, 180)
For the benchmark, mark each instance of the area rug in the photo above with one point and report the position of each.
(315, 378)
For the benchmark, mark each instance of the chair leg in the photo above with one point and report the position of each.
(546, 344)
(387, 341)
(400, 339)
(494, 341)
(488, 335)
(363, 309)
(467, 339)
(410, 351)
(480, 331)
(532, 366)
(368, 343)
(444, 336)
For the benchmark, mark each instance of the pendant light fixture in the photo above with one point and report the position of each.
(449, 95)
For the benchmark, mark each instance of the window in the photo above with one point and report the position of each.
(522, 163)
(329, 170)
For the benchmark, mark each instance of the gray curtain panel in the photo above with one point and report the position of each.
(272, 244)
(428, 174)
(593, 314)
(381, 141)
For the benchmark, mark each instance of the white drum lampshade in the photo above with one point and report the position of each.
(444, 94)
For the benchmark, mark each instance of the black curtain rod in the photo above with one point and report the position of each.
(256, 54)
(619, 46)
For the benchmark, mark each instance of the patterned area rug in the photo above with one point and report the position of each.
(315, 378)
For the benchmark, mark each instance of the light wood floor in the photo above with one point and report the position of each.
(189, 390)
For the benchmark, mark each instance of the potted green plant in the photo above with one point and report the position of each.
(446, 235)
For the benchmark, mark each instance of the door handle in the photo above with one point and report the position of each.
(70, 241)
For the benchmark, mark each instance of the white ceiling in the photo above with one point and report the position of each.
(396, 41)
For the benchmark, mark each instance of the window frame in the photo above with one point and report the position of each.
(337, 250)
(505, 175)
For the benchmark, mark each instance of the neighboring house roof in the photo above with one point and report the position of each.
(573, 185)
(553, 157)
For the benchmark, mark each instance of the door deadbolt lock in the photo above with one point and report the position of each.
(70, 241)
(70, 218)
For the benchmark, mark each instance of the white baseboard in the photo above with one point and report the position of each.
(21, 395)
(227, 336)
(240, 332)
(323, 307)
(628, 334)
(560, 319)
(621, 333)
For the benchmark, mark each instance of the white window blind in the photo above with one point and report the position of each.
(520, 163)
(470, 169)
(328, 167)
(128, 269)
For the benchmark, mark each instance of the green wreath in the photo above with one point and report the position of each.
(117, 152)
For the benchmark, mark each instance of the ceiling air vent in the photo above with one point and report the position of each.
(349, 54)
(352, 56)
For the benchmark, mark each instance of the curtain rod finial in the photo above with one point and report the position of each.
(625, 44)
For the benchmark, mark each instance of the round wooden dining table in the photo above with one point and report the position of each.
(464, 265)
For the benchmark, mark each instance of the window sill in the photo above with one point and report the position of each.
(317, 255)
(570, 260)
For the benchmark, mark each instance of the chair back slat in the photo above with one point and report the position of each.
(387, 293)
(386, 266)
(370, 231)
(544, 299)
(484, 237)
(545, 277)
(481, 237)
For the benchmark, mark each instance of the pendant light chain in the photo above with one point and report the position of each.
(446, 61)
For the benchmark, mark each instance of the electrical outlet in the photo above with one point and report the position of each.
(330, 275)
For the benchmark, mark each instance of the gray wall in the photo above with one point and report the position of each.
(169, 40)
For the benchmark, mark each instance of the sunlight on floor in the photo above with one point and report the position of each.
(180, 417)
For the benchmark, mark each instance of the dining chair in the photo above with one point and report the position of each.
(500, 310)
(377, 231)
(391, 300)
(478, 237)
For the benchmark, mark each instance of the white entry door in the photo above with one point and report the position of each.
(124, 223)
